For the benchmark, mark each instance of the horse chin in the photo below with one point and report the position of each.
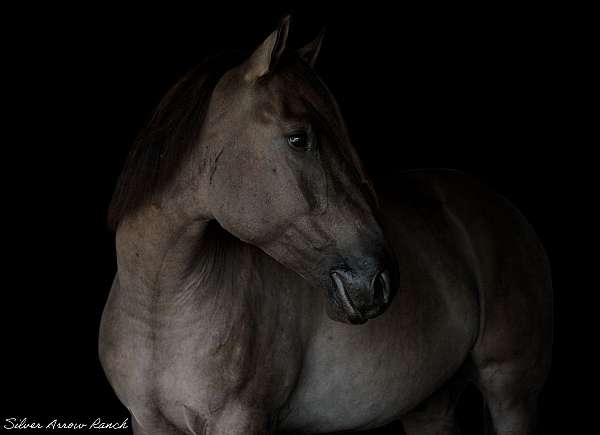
(341, 309)
(335, 313)
(338, 310)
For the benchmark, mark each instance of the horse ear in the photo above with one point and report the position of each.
(266, 56)
(310, 51)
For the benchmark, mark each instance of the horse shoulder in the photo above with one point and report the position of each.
(125, 355)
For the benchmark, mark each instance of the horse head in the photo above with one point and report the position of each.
(285, 177)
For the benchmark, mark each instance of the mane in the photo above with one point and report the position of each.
(167, 139)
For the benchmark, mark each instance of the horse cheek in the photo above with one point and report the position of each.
(315, 189)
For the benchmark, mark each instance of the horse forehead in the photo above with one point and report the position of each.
(282, 98)
(290, 99)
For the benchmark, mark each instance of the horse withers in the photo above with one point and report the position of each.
(262, 286)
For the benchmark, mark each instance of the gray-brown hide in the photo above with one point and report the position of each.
(245, 283)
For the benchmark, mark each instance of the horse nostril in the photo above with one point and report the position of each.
(381, 287)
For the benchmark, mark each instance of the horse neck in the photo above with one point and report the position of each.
(151, 250)
(184, 270)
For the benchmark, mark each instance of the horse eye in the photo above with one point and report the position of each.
(298, 141)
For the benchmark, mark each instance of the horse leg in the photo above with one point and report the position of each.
(235, 419)
(512, 360)
(511, 400)
(435, 416)
(153, 425)
(137, 429)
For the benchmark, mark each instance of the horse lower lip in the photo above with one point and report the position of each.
(388, 287)
(352, 312)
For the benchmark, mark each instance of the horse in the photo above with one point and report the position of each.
(264, 286)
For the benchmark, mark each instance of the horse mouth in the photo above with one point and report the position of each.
(354, 315)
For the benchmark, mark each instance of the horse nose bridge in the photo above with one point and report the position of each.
(354, 224)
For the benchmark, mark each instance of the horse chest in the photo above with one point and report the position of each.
(193, 374)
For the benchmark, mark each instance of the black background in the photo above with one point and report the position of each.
(490, 92)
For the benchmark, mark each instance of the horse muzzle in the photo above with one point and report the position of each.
(361, 296)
